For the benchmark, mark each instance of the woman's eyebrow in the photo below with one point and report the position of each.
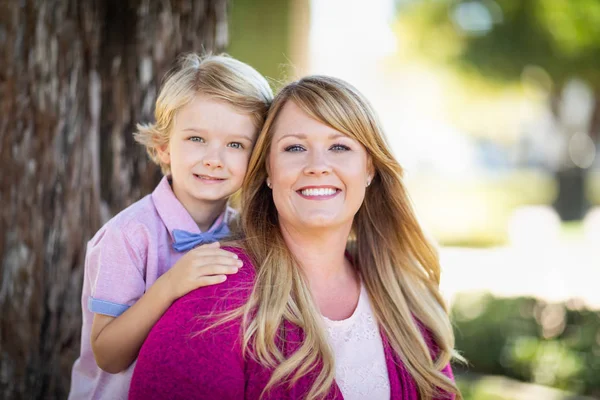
(296, 135)
(335, 135)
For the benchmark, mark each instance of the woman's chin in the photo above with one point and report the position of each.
(322, 221)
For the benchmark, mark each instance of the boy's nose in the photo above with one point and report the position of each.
(212, 158)
(213, 162)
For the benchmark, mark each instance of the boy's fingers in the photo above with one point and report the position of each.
(203, 251)
(210, 245)
(217, 270)
(216, 260)
(211, 280)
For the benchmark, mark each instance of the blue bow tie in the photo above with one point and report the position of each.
(185, 241)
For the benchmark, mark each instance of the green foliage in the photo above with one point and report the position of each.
(500, 38)
(556, 345)
(476, 212)
(260, 36)
(488, 387)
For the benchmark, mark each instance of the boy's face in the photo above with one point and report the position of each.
(208, 152)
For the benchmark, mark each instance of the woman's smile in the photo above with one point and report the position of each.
(318, 174)
(318, 192)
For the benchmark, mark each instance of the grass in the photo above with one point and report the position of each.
(481, 387)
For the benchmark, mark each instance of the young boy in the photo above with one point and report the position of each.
(208, 114)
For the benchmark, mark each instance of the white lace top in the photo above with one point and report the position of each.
(360, 368)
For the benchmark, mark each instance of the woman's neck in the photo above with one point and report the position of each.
(333, 281)
(321, 253)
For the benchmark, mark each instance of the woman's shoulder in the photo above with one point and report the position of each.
(205, 306)
(194, 341)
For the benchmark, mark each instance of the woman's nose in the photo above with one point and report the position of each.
(317, 164)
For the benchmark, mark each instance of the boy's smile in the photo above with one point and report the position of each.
(208, 179)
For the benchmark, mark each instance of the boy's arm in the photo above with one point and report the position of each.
(116, 341)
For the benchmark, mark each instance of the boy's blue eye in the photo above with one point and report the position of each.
(196, 139)
(236, 145)
(340, 147)
(294, 148)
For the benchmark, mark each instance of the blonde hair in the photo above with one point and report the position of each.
(399, 266)
(218, 76)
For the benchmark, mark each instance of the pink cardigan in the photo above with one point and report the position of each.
(176, 362)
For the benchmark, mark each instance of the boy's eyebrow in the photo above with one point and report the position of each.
(237, 136)
(248, 138)
(199, 130)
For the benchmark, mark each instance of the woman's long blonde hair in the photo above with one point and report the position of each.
(399, 266)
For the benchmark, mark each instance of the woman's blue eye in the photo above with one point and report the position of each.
(236, 145)
(340, 147)
(197, 139)
(294, 148)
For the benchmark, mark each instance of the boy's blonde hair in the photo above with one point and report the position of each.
(220, 77)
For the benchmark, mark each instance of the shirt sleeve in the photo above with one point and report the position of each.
(115, 267)
(182, 359)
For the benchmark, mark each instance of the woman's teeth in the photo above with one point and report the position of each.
(318, 192)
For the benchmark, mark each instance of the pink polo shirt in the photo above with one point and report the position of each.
(123, 259)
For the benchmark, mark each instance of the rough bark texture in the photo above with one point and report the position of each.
(75, 77)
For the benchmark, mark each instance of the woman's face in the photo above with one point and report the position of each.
(318, 174)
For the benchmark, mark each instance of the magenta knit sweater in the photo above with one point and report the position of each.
(178, 362)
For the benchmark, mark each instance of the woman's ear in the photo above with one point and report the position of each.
(370, 170)
(268, 166)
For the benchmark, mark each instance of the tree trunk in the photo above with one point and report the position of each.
(571, 202)
(595, 119)
(75, 77)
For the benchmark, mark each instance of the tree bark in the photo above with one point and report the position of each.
(571, 202)
(75, 77)
(595, 119)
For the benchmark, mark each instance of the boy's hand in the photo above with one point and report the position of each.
(203, 266)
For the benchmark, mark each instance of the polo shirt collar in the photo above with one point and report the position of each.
(173, 213)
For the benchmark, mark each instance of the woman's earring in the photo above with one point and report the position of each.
(269, 183)
(368, 182)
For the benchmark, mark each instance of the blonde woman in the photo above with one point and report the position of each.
(338, 295)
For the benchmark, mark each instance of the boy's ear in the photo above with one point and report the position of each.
(163, 153)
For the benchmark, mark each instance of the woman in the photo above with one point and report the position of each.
(338, 296)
